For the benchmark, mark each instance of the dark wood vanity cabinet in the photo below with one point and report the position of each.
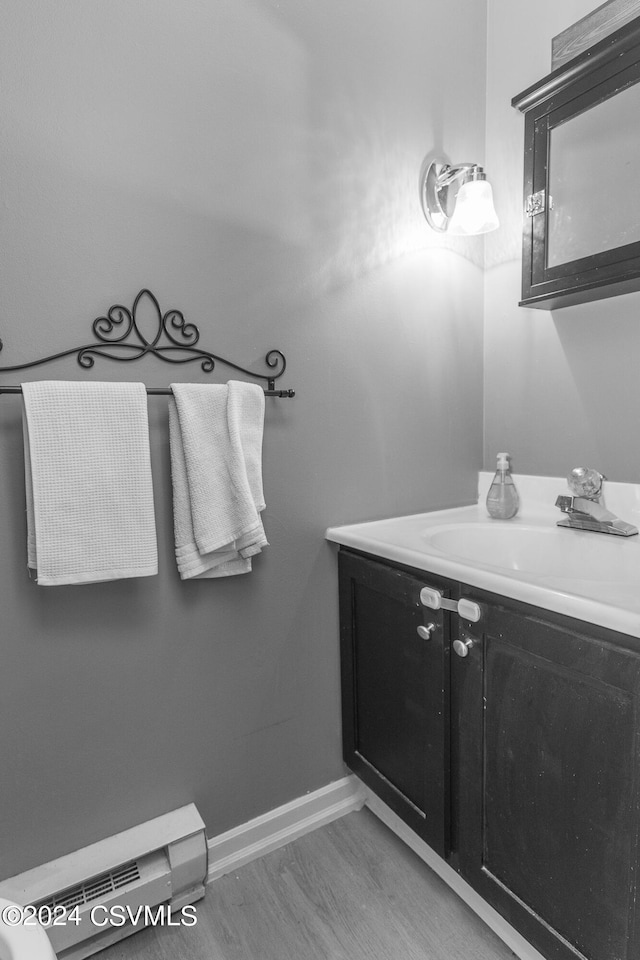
(395, 692)
(547, 740)
(519, 761)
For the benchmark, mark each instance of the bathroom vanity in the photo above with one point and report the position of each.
(495, 709)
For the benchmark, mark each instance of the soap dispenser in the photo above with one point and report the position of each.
(502, 499)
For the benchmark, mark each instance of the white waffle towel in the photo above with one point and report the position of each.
(215, 433)
(90, 513)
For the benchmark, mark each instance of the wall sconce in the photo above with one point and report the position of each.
(457, 199)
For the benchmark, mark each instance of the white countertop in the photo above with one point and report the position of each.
(590, 576)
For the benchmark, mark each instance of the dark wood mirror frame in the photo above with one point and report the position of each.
(605, 69)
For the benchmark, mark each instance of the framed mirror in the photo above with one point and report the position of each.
(581, 234)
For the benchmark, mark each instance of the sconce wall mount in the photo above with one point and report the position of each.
(457, 199)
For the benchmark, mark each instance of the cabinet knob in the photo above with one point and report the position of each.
(462, 647)
(425, 630)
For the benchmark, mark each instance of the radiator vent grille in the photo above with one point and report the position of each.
(95, 889)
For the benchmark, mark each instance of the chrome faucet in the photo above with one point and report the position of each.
(584, 511)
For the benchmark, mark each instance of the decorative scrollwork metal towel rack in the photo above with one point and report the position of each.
(119, 338)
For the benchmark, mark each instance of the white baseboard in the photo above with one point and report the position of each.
(521, 947)
(254, 839)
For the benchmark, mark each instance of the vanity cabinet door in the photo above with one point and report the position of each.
(547, 741)
(395, 692)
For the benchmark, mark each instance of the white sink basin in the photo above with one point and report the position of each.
(549, 552)
(578, 573)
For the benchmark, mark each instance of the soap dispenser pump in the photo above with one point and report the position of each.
(502, 498)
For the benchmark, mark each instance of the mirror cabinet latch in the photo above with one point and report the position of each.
(535, 204)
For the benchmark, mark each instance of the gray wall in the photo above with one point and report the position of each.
(255, 164)
(561, 387)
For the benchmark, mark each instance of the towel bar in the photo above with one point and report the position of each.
(174, 342)
(156, 391)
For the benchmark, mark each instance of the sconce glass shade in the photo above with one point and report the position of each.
(457, 199)
(474, 211)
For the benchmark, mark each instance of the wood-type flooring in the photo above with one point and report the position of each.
(348, 891)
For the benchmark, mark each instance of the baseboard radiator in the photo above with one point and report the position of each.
(159, 866)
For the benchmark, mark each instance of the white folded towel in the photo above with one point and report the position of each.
(215, 433)
(90, 513)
